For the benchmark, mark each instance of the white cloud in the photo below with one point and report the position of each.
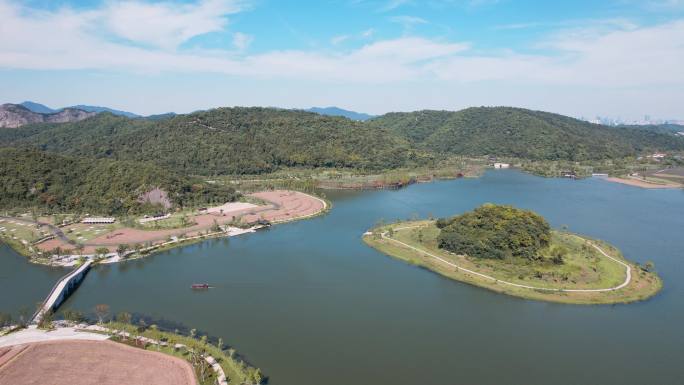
(408, 20)
(339, 39)
(368, 33)
(166, 25)
(241, 40)
(393, 4)
(618, 54)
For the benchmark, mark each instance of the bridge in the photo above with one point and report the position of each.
(61, 291)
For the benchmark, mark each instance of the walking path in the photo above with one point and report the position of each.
(628, 270)
(33, 334)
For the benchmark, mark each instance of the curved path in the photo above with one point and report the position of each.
(628, 270)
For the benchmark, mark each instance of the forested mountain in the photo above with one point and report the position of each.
(260, 140)
(521, 133)
(32, 178)
(226, 141)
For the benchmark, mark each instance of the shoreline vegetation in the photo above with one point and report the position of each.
(592, 271)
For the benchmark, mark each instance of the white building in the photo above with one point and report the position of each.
(98, 220)
(501, 165)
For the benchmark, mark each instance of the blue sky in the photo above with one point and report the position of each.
(618, 58)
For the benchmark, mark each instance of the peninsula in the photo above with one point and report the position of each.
(515, 252)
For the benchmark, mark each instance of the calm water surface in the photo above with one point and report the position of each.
(310, 304)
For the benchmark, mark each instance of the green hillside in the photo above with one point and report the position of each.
(225, 141)
(521, 133)
(32, 178)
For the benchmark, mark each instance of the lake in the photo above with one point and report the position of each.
(310, 304)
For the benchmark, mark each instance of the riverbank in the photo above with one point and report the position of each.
(111, 245)
(593, 272)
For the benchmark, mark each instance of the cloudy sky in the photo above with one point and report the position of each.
(618, 58)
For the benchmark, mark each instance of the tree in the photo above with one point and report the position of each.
(649, 266)
(101, 252)
(121, 249)
(257, 376)
(142, 325)
(5, 319)
(193, 333)
(124, 317)
(215, 227)
(72, 315)
(79, 248)
(23, 316)
(46, 320)
(219, 344)
(101, 311)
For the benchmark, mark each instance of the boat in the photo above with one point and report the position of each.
(199, 286)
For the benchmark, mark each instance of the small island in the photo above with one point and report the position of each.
(515, 252)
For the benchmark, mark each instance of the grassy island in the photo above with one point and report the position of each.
(515, 252)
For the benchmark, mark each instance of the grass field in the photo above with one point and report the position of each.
(584, 268)
(81, 232)
(20, 231)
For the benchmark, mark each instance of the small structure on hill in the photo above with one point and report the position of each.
(155, 217)
(98, 220)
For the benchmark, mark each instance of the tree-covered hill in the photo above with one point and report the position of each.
(32, 178)
(261, 140)
(495, 231)
(521, 133)
(225, 141)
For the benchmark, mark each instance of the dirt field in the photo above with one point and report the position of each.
(289, 205)
(90, 362)
(639, 183)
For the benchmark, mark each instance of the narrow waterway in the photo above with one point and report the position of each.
(309, 303)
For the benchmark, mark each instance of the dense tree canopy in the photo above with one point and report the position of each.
(32, 178)
(225, 141)
(521, 133)
(260, 140)
(494, 231)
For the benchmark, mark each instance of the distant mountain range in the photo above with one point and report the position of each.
(336, 111)
(43, 109)
(16, 115)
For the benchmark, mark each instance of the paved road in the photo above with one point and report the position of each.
(628, 270)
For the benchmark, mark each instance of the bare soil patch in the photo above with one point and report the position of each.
(93, 362)
(289, 205)
(640, 183)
